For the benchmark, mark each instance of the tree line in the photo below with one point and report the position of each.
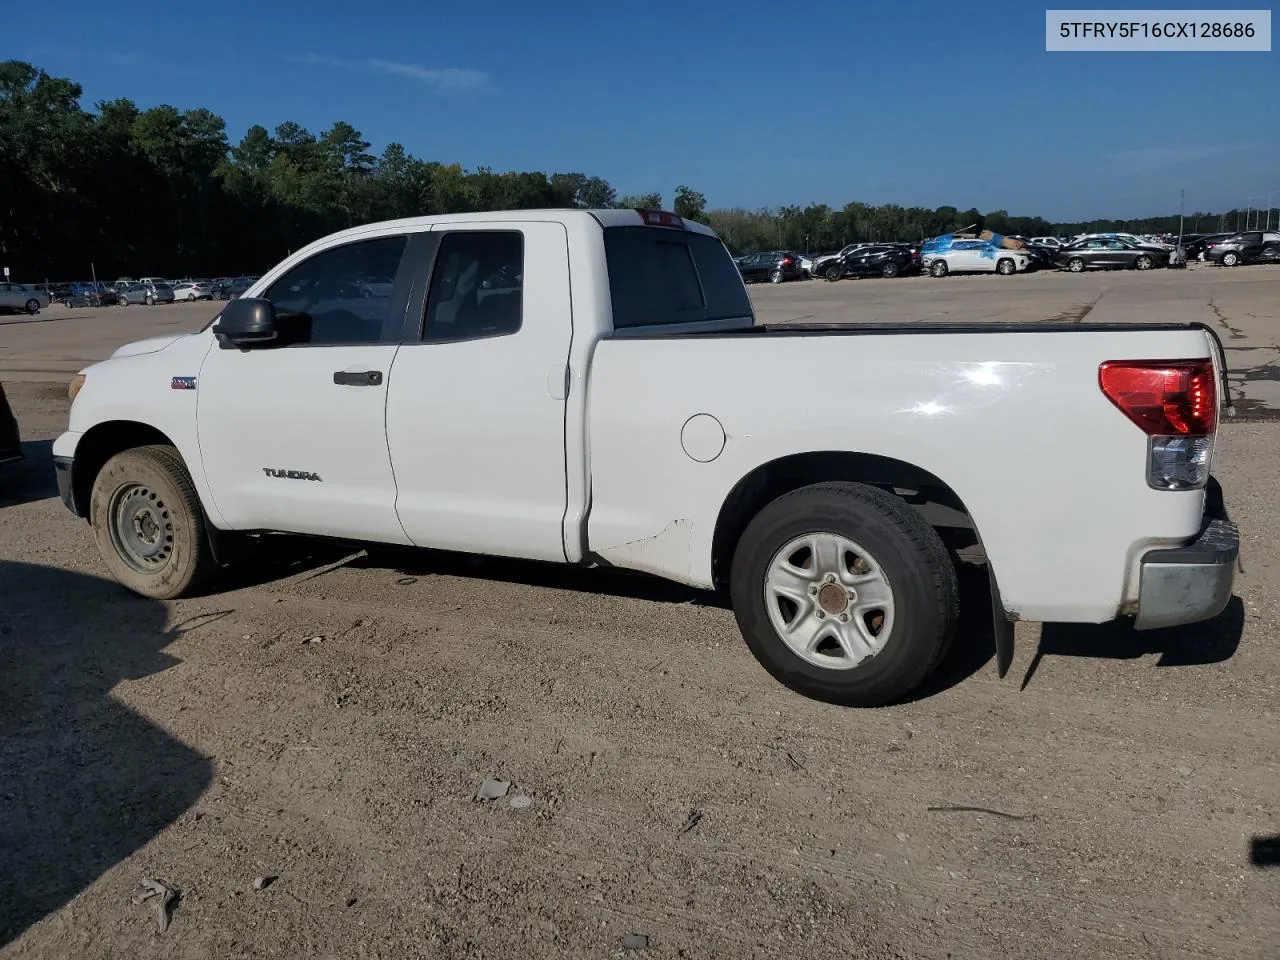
(163, 191)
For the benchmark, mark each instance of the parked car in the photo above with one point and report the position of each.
(943, 256)
(1045, 242)
(146, 292)
(1128, 238)
(10, 438)
(87, 295)
(776, 266)
(1102, 253)
(193, 290)
(874, 261)
(232, 288)
(326, 418)
(1249, 246)
(20, 297)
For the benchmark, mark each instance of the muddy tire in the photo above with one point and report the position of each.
(844, 594)
(148, 524)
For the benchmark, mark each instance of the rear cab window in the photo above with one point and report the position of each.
(661, 276)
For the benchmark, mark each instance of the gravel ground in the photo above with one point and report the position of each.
(326, 719)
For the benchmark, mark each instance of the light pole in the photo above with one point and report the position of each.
(1252, 209)
(1269, 196)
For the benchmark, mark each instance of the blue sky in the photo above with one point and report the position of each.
(753, 103)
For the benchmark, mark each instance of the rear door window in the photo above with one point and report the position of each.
(663, 276)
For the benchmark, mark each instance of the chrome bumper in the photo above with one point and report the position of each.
(1189, 583)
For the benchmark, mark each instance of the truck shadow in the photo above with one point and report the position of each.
(87, 781)
(1193, 644)
(410, 562)
(31, 479)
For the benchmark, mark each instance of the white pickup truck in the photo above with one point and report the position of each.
(591, 387)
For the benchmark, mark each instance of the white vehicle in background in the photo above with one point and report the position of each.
(193, 290)
(20, 297)
(1046, 242)
(972, 256)
(501, 401)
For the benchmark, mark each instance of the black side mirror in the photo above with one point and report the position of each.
(246, 322)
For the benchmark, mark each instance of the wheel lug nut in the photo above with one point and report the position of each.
(821, 615)
(813, 590)
(844, 618)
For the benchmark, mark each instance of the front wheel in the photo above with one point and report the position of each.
(833, 272)
(1006, 267)
(33, 306)
(844, 593)
(148, 524)
(938, 268)
(1075, 265)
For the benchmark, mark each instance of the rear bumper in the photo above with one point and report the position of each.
(1190, 583)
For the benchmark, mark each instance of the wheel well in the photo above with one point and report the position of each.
(102, 442)
(930, 496)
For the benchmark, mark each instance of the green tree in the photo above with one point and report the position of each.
(690, 204)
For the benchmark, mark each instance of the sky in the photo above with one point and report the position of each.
(752, 103)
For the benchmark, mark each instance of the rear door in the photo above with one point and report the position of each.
(476, 409)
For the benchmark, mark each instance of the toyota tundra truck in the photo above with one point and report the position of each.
(592, 388)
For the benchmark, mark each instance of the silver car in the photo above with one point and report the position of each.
(18, 296)
(148, 292)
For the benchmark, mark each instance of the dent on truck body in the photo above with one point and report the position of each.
(669, 552)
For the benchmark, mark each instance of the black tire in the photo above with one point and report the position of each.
(832, 272)
(1231, 259)
(776, 276)
(157, 479)
(33, 306)
(1143, 263)
(889, 270)
(914, 562)
(1006, 267)
(938, 268)
(1075, 265)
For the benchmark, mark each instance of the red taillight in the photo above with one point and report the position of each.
(787, 261)
(660, 218)
(1163, 397)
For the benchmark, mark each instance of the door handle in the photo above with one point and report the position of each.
(365, 378)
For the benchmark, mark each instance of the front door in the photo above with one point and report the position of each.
(475, 416)
(292, 434)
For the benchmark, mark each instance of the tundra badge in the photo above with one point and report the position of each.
(291, 474)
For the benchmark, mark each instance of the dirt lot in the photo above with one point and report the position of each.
(326, 719)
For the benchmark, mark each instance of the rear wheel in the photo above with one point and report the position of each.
(1142, 263)
(149, 300)
(1230, 259)
(148, 524)
(844, 593)
(33, 306)
(833, 272)
(890, 270)
(1005, 267)
(775, 276)
(938, 268)
(1075, 265)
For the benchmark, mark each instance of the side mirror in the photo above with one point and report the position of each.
(245, 323)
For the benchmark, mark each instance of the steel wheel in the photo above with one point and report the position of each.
(141, 528)
(829, 601)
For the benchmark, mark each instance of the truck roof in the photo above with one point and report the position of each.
(606, 218)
